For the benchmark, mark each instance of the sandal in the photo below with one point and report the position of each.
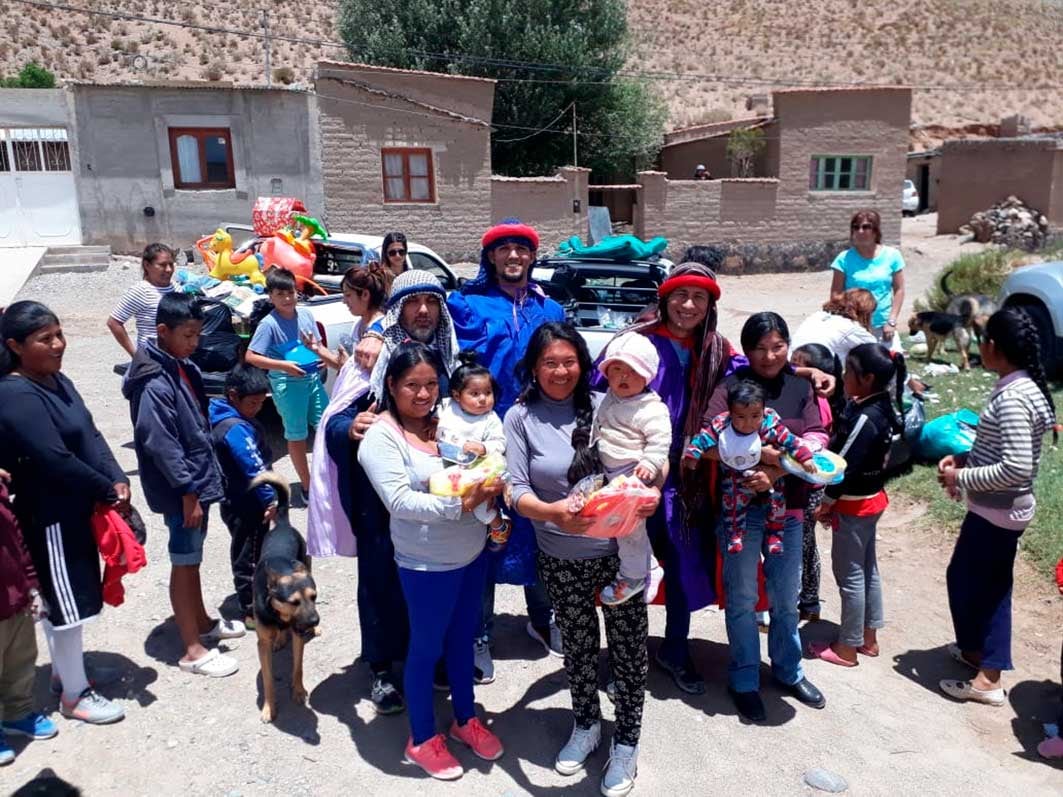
(821, 650)
(957, 654)
(212, 664)
(963, 690)
(223, 629)
(864, 650)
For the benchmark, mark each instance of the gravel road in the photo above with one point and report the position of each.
(886, 729)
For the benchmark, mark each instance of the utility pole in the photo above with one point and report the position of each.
(575, 137)
(265, 31)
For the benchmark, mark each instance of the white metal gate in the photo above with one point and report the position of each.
(38, 203)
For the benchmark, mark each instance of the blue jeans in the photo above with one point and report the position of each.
(444, 610)
(782, 573)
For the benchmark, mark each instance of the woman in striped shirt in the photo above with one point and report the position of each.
(998, 477)
(142, 300)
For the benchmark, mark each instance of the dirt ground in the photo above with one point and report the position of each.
(886, 728)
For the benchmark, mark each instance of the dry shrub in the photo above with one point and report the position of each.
(284, 75)
(214, 71)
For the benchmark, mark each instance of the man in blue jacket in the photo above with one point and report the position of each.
(495, 315)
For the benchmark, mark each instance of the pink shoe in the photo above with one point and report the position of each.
(821, 650)
(434, 758)
(476, 737)
(1051, 748)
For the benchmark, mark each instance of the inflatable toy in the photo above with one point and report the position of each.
(830, 468)
(217, 251)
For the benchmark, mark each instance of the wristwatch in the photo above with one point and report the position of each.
(891, 323)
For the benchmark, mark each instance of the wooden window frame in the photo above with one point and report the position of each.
(405, 152)
(201, 133)
(816, 181)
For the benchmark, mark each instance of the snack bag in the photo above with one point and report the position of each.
(613, 506)
(459, 479)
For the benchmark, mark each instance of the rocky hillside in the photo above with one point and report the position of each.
(974, 61)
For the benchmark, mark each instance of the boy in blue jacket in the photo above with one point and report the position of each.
(243, 454)
(178, 470)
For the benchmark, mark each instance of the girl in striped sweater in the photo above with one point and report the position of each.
(997, 477)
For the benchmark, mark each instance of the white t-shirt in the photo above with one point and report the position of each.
(141, 302)
(836, 332)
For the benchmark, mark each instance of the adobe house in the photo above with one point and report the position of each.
(975, 174)
(924, 170)
(828, 153)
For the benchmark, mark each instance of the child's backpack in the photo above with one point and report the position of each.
(220, 348)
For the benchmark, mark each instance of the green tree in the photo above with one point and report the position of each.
(743, 146)
(619, 122)
(31, 76)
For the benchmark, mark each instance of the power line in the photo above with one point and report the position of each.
(536, 66)
(543, 129)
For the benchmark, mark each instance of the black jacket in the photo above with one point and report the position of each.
(862, 436)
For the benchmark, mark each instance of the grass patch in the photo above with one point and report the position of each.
(1043, 541)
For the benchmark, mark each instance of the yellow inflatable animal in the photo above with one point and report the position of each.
(217, 251)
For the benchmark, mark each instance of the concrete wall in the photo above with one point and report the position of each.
(124, 161)
(33, 108)
(545, 203)
(976, 174)
(357, 120)
(1055, 210)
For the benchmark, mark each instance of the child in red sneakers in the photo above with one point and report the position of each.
(737, 436)
(1052, 747)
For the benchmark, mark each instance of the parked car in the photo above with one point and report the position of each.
(1038, 290)
(600, 296)
(909, 199)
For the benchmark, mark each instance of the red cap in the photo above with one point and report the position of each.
(510, 230)
(690, 281)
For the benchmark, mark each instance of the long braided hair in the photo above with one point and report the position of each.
(585, 460)
(1015, 335)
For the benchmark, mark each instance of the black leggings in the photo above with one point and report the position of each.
(573, 585)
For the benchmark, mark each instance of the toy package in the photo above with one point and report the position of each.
(457, 480)
(614, 506)
(830, 468)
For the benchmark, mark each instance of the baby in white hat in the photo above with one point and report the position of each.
(633, 431)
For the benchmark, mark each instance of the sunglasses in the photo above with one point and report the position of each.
(860, 227)
(396, 252)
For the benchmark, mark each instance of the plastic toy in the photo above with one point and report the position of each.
(217, 251)
(457, 480)
(614, 507)
(272, 213)
(830, 468)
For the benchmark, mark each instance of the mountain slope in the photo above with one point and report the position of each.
(987, 62)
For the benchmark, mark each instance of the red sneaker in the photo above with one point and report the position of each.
(481, 741)
(434, 758)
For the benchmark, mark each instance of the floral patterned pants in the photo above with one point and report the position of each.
(573, 585)
(810, 566)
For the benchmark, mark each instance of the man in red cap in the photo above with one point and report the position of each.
(495, 315)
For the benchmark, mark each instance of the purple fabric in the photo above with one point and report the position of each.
(694, 550)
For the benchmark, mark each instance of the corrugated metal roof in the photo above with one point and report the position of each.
(353, 65)
(835, 89)
(213, 85)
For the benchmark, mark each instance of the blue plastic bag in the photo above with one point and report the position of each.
(948, 434)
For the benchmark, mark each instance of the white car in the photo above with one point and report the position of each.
(909, 199)
(1038, 290)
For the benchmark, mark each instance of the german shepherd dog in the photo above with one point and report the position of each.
(939, 326)
(284, 598)
(973, 308)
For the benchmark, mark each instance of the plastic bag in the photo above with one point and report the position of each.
(459, 479)
(613, 507)
(220, 348)
(948, 434)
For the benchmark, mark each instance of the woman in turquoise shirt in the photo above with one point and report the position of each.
(871, 265)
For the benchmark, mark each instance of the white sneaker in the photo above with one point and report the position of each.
(549, 638)
(482, 662)
(620, 772)
(580, 744)
(92, 707)
(656, 577)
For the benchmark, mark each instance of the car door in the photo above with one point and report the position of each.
(425, 262)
